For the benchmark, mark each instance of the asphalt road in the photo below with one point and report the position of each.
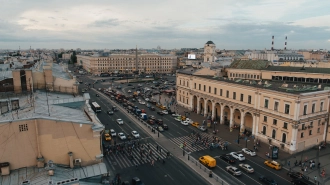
(178, 134)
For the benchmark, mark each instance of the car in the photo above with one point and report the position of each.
(110, 112)
(195, 124)
(159, 128)
(273, 164)
(246, 168)
(159, 121)
(165, 111)
(178, 119)
(97, 95)
(120, 121)
(152, 117)
(186, 123)
(227, 158)
(249, 151)
(165, 127)
(233, 170)
(301, 182)
(135, 134)
(237, 156)
(189, 120)
(114, 108)
(147, 99)
(160, 113)
(152, 108)
(297, 175)
(267, 180)
(83, 91)
(129, 84)
(113, 133)
(202, 128)
(129, 91)
(136, 181)
(121, 136)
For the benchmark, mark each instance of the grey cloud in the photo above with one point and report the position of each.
(106, 23)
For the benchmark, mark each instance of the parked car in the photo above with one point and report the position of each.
(246, 168)
(233, 170)
(186, 123)
(249, 152)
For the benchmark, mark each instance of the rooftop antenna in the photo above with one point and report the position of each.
(286, 38)
(273, 43)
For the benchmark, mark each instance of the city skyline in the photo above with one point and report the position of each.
(169, 24)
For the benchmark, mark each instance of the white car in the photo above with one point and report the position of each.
(189, 120)
(121, 136)
(147, 99)
(246, 168)
(237, 156)
(113, 133)
(135, 134)
(142, 102)
(129, 91)
(120, 121)
(165, 111)
(176, 115)
(177, 119)
(249, 152)
(233, 170)
(186, 123)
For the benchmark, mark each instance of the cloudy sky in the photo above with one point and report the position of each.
(99, 24)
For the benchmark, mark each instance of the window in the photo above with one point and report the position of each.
(319, 122)
(242, 97)
(287, 109)
(313, 108)
(273, 133)
(204, 88)
(283, 137)
(285, 125)
(321, 106)
(227, 94)
(318, 130)
(303, 127)
(195, 86)
(305, 110)
(264, 130)
(220, 92)
(23, 127)
(199, 86)
(180, 82)
(266, 103)
(274, 121)
(215, 90)
(234, 95)
(209, 89)
(249, 99)
(301, 135)
(310, 132)
(265, 118)
(276, 106)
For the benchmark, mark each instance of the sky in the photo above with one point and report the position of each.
(170, 24)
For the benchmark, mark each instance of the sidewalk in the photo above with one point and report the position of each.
(322, 156)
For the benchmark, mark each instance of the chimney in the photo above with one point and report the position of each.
(286, 38)
(272, 42)
(71, 159)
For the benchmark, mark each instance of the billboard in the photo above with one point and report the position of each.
(191, 56)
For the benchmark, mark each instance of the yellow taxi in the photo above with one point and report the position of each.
(107, 137)
(273, 164)
(163, 107)
(195, 124)
(183, 118)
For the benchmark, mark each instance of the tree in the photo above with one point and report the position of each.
(73, 57)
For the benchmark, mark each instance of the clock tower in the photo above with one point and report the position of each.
(209, 52)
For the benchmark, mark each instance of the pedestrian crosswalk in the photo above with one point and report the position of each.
(136, 156)
(190, 142)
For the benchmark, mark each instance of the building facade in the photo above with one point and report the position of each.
(291, 115)
(146, 63)
(209, 52)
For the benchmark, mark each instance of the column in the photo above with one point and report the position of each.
(191, 99)
(254, 124)
(198, 105)
(205, 107)
(213, 111)
(242, 120)
(231, 117)
(222, 120)
(293, 142)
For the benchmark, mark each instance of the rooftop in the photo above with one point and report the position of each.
(250, 64)
(39, 176)
(209, 42)
(298, 69)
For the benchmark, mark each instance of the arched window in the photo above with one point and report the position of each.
(284, 137)
(273, 133)
(264, 130)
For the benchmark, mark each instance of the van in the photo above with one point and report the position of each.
(208, 161)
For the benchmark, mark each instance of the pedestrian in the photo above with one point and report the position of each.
(136, 166)
(315, 179)
(320, 148)
(289, 164)
(152, 162)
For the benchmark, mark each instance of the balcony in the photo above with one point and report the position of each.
(282, 114)
(312, 114)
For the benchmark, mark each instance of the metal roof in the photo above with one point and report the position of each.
(298, 69)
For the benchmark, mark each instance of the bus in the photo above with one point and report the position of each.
(96, 107)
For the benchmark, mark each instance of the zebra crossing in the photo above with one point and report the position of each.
(189, 140)
(124, 160)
